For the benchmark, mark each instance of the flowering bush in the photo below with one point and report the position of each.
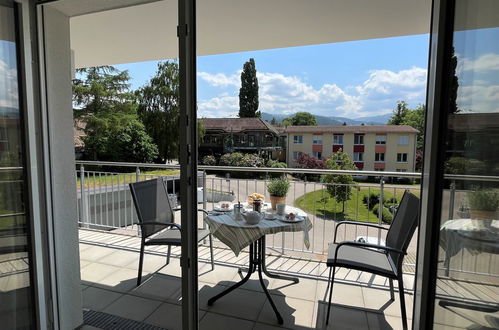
(209, 160)
(307, 161)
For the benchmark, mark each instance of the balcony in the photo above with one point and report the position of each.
(109, 251)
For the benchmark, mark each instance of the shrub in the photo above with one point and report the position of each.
(251, 160)
(371, 200)
(278, 187)
(276, 164)
(484, 200)
(233, 159)
(386, 217)
(209, 160)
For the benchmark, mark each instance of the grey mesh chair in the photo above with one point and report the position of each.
(156, 219)
(384, 260)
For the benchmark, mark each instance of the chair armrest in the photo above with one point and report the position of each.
(204, 211)
(367, 245)
(155, 223)
(357, 224)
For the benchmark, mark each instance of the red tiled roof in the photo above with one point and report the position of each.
(352, 129)
(236, 125)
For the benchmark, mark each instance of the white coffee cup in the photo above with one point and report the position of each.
(281, 209)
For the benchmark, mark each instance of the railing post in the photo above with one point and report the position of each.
(137, 174)
(204, 201)
(451, 199)
(83, 198)
(380, 210)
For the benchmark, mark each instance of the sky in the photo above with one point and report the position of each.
(350, 79)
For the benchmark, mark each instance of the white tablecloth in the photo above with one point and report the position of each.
(238, 234)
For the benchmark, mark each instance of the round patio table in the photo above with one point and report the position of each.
(237, 235)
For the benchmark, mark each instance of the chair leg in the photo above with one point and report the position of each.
(168, 254)
(331, 276)
(211, 253)
(141, 261)
(402, 302)
(392, 294)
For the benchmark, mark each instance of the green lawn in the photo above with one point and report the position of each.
(321, 203)
(121, 178)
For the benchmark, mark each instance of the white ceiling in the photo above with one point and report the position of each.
(148, 31)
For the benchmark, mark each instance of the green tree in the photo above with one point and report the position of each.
(113, 132)
(412, 117)
(119, 136)
(101, 88)
(158, 109)
(300, 119)
(399, 114)
(248, 94)
(454, 84)
(273, 121)
(339, 186)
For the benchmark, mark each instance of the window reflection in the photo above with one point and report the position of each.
(15, 292)
(469, 234)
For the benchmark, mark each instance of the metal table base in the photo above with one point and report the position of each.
(256, 263)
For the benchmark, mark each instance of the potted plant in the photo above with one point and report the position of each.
(484, 204)
(278, 189)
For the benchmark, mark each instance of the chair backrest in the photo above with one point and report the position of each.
(403, 226)
(152, 204)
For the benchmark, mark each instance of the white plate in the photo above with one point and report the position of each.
(295, 220)
(270, 216)
(219, 209)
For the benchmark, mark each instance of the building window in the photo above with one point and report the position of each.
(298, 139)
(380, 139)
(403, 140)
(379, 169)
(338, 139)
(296, 154)
(317, 139)
(358, 139)
(358, 156)
(402, 158)
(317, 154)
(379, 157)
(401, 170)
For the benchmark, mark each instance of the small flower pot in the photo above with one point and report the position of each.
(274, 200)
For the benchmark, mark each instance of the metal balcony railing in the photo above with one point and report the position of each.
(104, 202)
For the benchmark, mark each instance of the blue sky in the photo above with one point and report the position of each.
(353, 79)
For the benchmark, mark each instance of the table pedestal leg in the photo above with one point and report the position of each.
(272, 275)
(256, 263)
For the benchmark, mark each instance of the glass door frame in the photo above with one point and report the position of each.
(439, 68)
(32, 148)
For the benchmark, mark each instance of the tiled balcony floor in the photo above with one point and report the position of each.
(109, 270)
(109, 277)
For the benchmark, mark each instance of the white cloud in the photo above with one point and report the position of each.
(283, 94)
(486, 62)
(8, 86)
(478, 98)
(220, 79)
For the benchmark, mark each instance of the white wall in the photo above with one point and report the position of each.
(62, 166)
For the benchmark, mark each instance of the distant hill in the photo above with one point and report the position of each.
(333, 120)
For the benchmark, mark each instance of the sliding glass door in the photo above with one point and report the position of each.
(16, 290)
(458, 265)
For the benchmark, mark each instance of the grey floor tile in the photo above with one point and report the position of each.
(341, 318)
(296, 313)
(241, 303)
(160, 287)
(213, 321)
(132, 307)
(379, 321)
(169, 316)
(98, 299)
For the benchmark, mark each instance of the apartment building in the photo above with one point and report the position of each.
(376, 147)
